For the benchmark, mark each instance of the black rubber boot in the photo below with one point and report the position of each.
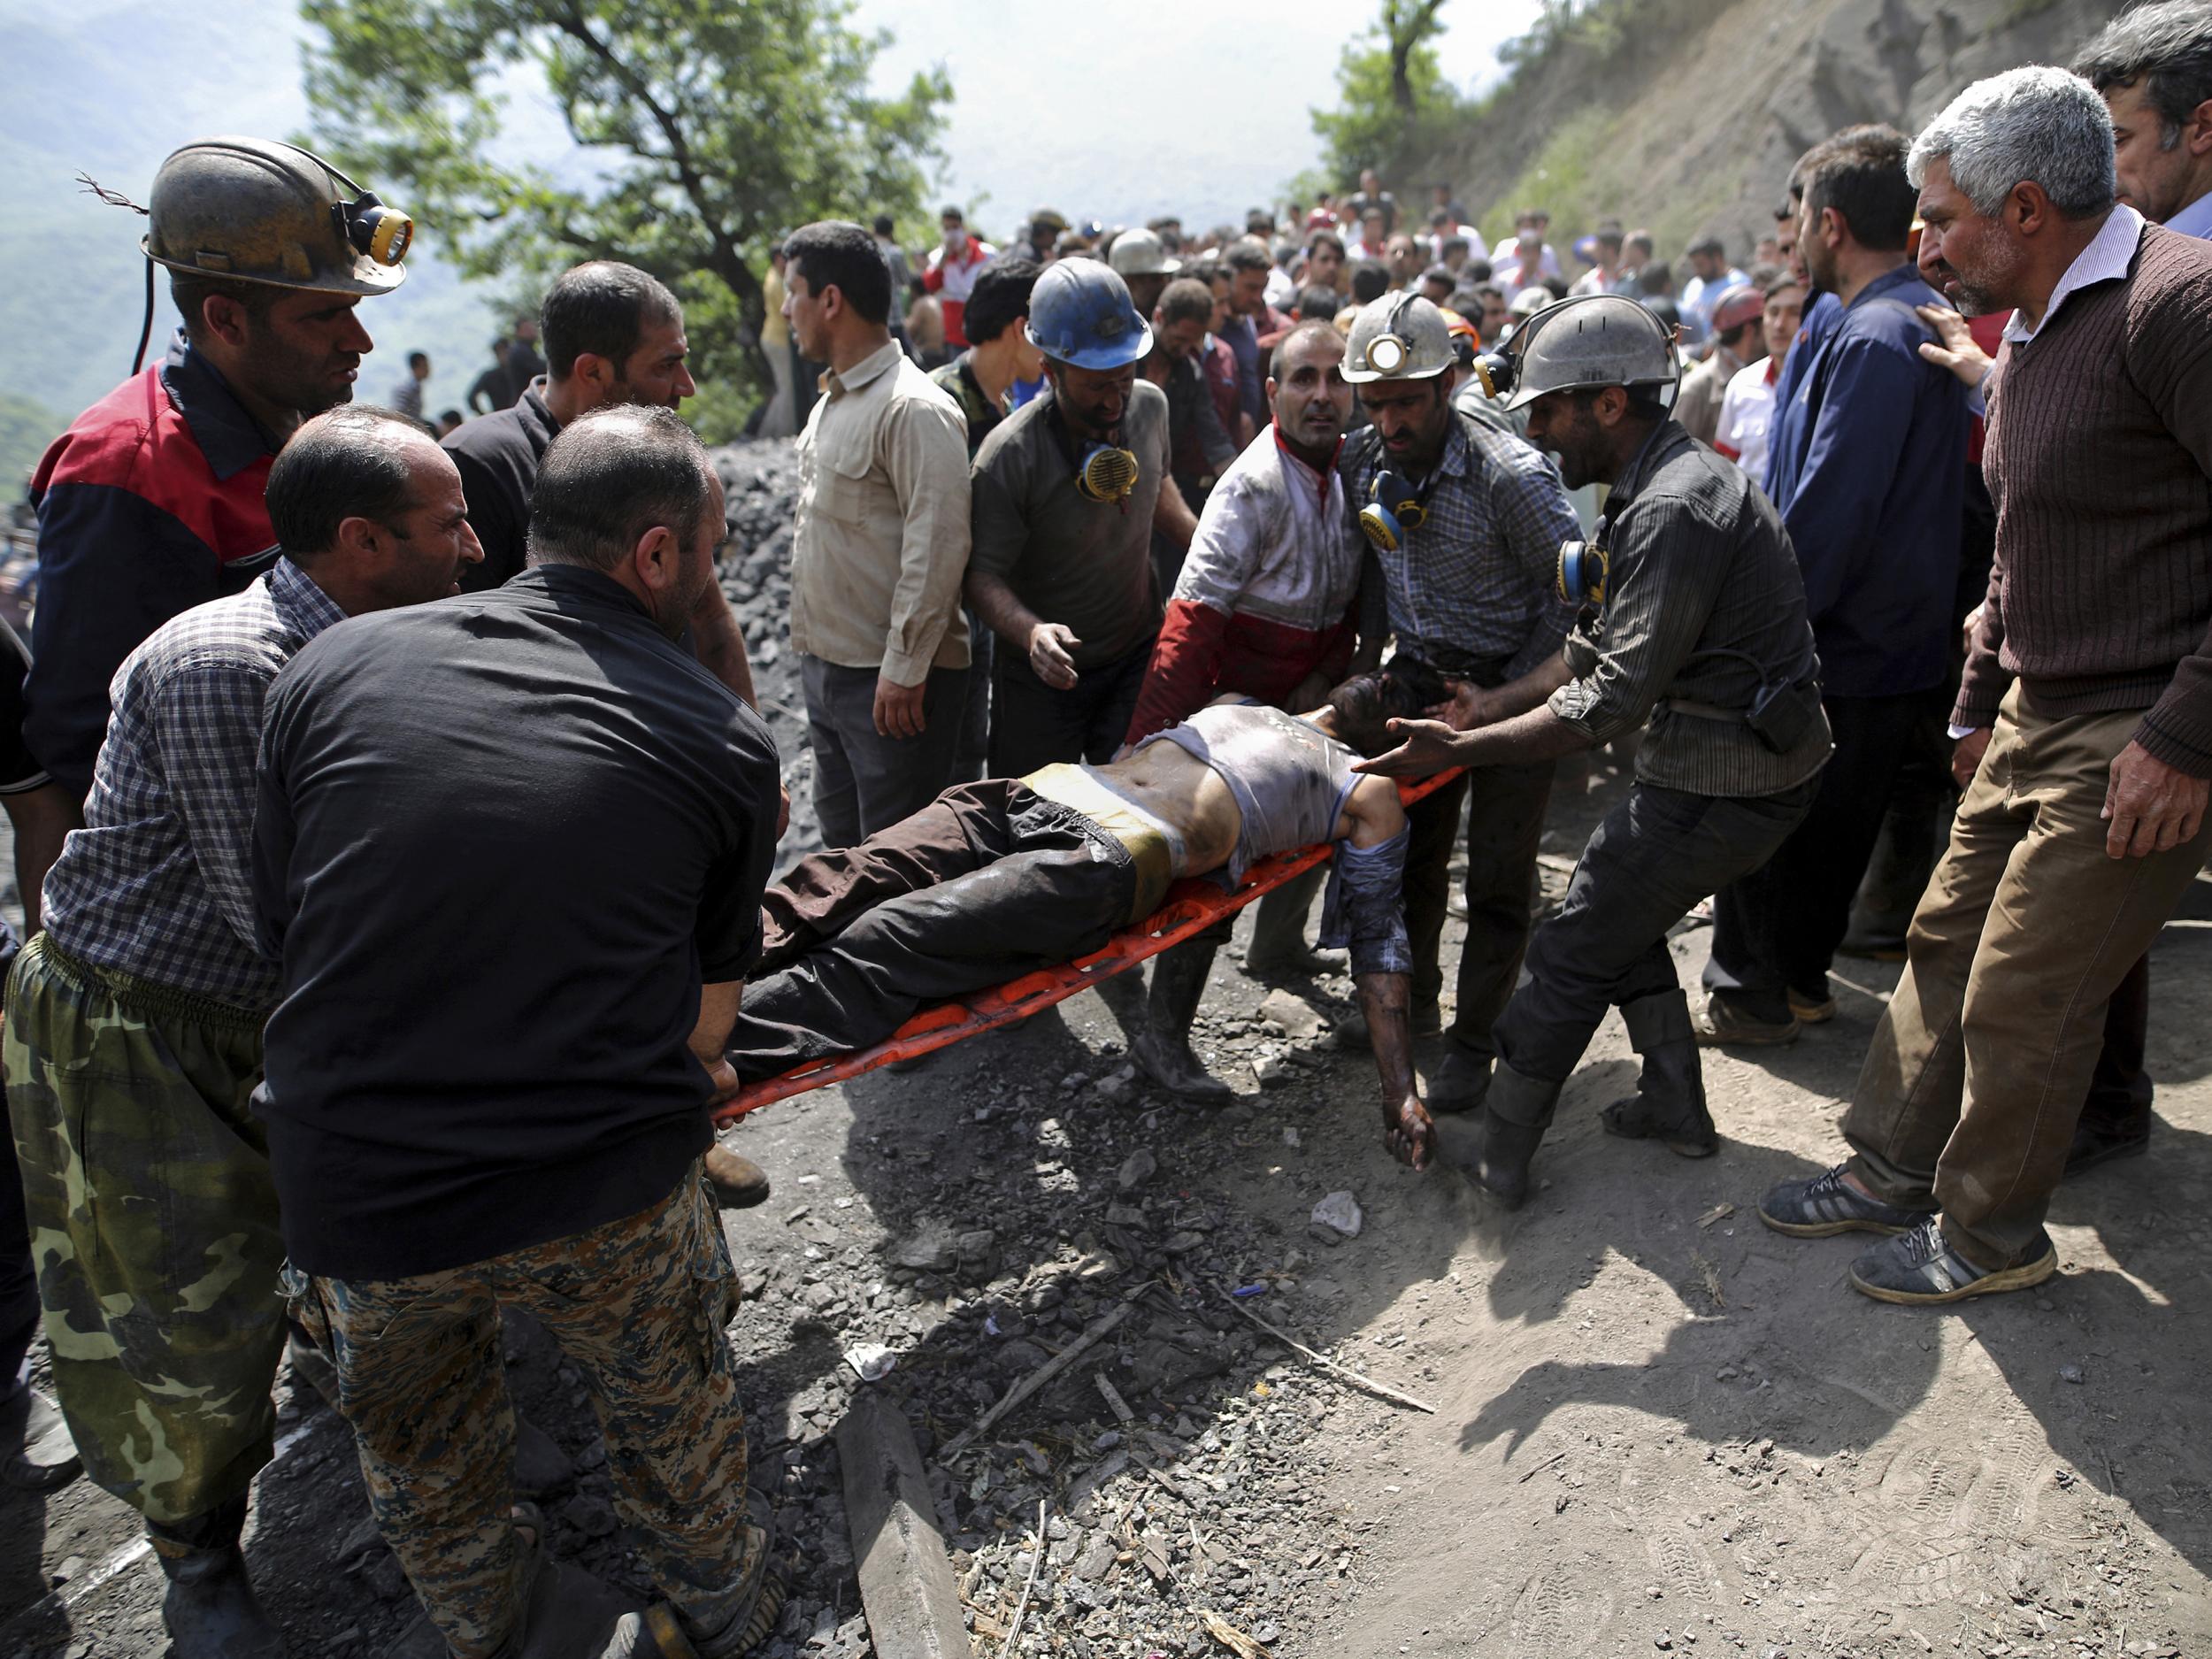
(209, 1610)
(1516, 1113)
(1459, 1082)
(1163, 1050)
(1669, 1105)
(1278, 949)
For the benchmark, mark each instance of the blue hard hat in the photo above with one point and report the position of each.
(1081, 313)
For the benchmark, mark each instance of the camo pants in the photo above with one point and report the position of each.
(638, 1305)
(153, 1227)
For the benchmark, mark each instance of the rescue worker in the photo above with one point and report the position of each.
(1466, 522)
(1693, 615)
(151, 502)
(1067, 492)
(1264, 603)
(1144, 266)
(134, 1024)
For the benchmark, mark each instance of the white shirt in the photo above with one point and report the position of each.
(1505, 267)
(1746, 409)
(2107, 258)
(1269, 546)
(1280, 289)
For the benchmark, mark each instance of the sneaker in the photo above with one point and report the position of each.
(1812, 1010)
(1351, 1031)
(1722, 1024)
(1826, 1204)
(1920, 1267)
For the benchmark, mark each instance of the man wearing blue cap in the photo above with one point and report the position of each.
(1067, 492)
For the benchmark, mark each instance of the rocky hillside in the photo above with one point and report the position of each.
(1686, 115)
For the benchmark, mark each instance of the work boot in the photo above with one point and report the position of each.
(209, 1610)
(1669, 1105)
(1515, 1114)
(1163, 1050)
(738, 1182)
(661, 1632)
(1459, 1082)
(1278, 949)
(37, 1453)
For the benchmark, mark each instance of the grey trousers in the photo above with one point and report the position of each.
(863, 780)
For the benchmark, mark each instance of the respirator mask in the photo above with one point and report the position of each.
(1394, 508)
(1107, 473)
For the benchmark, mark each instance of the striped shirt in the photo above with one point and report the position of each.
(158, 883)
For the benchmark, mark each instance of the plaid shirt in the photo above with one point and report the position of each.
(1471, 591)
(158, 883)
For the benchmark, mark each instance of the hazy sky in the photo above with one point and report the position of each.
(1152, 104)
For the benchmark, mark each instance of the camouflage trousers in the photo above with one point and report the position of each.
(153, 1226)
(638, 1306)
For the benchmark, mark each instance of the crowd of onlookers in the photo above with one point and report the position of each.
(393, 819)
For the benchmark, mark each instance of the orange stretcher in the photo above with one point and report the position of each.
(1192, 906)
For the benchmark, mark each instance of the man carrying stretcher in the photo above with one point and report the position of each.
(1004, 877)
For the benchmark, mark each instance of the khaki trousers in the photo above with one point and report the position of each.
(1971, 1090)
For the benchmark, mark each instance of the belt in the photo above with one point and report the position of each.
(1701, 711)
(1153, 848)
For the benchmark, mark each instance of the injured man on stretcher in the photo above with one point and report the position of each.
(1004, 877)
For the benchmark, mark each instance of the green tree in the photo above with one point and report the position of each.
(1392, 95)
(708, 127)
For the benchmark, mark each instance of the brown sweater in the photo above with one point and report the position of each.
(2100, 461)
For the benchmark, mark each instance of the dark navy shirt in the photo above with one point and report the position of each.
(500, 841)
(1868, 468)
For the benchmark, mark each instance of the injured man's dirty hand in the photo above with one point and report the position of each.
(1007, 877)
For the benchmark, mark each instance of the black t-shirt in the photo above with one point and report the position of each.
(500, 841)
(497, 457)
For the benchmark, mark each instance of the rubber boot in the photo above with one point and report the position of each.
(1278, 949)
(1459, 1082)
(1515, 1114)
(1669, 1105)
(1163, 1050)
(209, 1610)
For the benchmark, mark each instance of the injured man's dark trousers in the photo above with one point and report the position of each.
(988, 882)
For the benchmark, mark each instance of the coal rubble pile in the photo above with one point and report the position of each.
(760, 485)
(1178, 1459)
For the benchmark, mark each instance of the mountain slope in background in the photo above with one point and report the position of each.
(98, 92)
(1685, 116)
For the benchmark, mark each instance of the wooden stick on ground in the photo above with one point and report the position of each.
(1326, 1363)
(1528, 1475)
(1100, 1328)
(1230, 1637)
(1036, 1560)
(907, 1586)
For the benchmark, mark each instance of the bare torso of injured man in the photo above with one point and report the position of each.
(1002, 877)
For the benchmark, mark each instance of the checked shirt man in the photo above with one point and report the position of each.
(1468, 594)
(134, 1031)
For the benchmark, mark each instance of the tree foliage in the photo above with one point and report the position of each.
(1393, 99)
(707, 128)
